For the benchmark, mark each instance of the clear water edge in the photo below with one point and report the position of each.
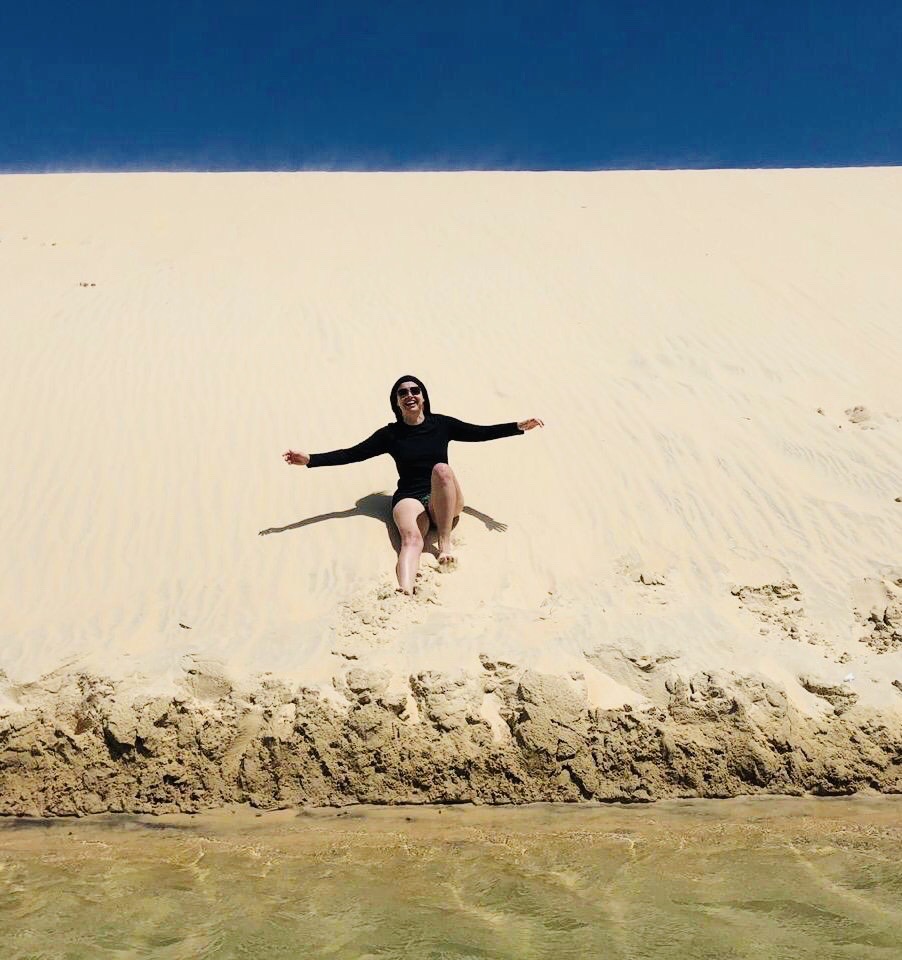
(769, 877)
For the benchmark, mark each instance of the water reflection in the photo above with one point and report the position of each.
(716, 879)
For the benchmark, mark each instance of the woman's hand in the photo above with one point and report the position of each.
(296, 459)
(525, 425)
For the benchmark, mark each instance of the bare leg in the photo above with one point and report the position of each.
(445, 504)
(413, 523)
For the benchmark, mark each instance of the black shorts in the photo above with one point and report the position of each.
(424, 498)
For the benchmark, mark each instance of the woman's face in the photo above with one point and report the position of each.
(409, 398)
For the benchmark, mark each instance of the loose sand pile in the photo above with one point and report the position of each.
(690, 583)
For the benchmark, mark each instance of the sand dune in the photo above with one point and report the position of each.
(716, 356)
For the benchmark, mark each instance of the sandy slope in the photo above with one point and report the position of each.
(697, 343)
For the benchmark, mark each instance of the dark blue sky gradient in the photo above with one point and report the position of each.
(202, 85)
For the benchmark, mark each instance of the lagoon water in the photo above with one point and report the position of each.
(764, 878)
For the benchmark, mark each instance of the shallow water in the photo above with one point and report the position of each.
(703, 879)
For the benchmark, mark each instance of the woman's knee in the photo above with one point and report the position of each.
(442, 473)
(412, 539)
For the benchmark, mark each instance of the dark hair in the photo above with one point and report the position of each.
(393, 398)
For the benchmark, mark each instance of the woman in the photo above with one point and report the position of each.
(428, 491)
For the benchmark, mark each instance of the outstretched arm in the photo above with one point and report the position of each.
(472, 433)
(371, 447)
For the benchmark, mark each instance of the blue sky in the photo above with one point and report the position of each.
(261, 85)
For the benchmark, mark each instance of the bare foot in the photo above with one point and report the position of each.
(446, 557)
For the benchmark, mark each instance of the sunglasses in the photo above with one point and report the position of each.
(413, 391)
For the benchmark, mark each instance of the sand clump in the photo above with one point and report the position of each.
(777, 605)
(839, 695)
(881, 622)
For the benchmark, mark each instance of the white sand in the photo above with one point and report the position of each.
(677, 332)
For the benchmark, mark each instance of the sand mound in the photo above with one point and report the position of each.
(700, 551)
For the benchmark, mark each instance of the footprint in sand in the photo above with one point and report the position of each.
(858, 414)
(556, 605)
(651, 580)
(374, 615)
(866, 419)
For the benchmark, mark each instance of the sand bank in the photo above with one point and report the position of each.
(690, 583)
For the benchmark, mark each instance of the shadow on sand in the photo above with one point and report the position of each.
(377, 506)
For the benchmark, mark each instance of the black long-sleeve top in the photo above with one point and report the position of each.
(416, 449)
